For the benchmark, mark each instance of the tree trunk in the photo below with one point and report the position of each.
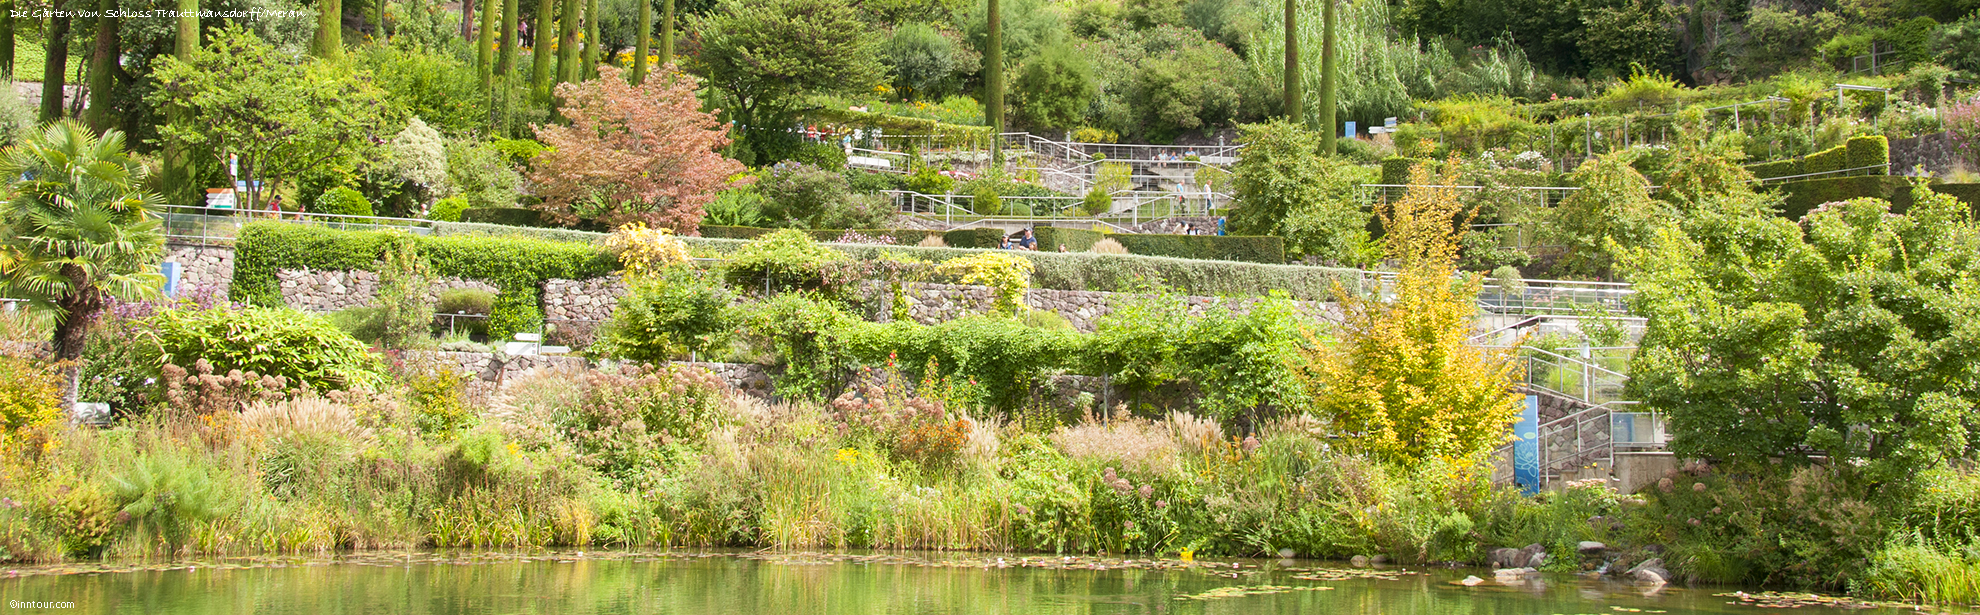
(79, 312)
(103, 68)
(329, 30)
(591, 42)
(7, 40)
(467, 20)
(1328, 125)
(1292, 102)
(993, 81)
(567, 42)
(539, 41)
(383, 35)
(645, 43)
(485, 58)
(511, 19)
(178, 163)
(55, 70)
(666, 32)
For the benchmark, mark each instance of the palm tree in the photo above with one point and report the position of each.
(76, 230)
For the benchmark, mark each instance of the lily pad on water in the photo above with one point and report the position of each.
(1240, 591)
(1792, 600)
(1346, 574)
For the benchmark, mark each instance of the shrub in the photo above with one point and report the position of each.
(343, 201)
(519, 152)
(1802, 196)
(643, 251)
(785, 260)
(30, 393)
(1097, 202)
(669, 316)
(626, 421)
(300, 347)
(366, 324)
(448, 209)
(927, 180)
(465, 301)
(985, 238)
(1006, 274)
(403, 280)
(984, 200)
(1108, 246)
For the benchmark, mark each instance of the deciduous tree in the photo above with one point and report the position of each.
(1404, 383)
(763, 54)
(1849, 336)
(644, 153)
(280, 114)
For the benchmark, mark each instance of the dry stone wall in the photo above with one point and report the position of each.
(582, 300)
(485, 372)
(203, 269)
(329, 291)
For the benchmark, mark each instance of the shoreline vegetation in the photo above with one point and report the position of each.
(267, 430)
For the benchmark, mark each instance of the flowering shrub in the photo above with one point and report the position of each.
(1963, 119)
(625, 421)
(911, 427)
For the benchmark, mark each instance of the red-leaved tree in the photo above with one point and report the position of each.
(632, 153)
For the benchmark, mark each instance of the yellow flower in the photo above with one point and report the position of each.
(1189, 555)
(847, 455)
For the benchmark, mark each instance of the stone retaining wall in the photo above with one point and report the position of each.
(329, 291)
(203, 268)
(582, 300)
(935, 303)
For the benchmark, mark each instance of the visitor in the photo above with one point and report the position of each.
(1220, 227)
(1006, 245)
(1026, 241)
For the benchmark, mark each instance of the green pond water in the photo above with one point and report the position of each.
(730, 583)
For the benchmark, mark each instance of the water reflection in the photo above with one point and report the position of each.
(727, 583)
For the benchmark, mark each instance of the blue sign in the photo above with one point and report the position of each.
(1349, 133)
(171, 272)
(1526, 447)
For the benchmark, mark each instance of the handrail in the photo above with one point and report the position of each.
(1762, 180)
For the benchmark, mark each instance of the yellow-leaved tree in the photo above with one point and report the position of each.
(1403, 383)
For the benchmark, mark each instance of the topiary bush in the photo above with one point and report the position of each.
(343, 201)
(1051, 239)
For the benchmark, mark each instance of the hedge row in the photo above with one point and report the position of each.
(517, 266)
(517, 260)
(1246, 248)
(1801, 196)
(511, 216)
(1856, 153)
(1395, 169)
(1050, 239)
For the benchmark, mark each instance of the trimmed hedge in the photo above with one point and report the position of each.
(477, 229)
(1395, 169)
(1246, 248)
(515, 265)
(980, 238)
(1966, 193)
(1856, 153)
(1807, 194)
(1074, 240)
(1868, 151)
(733, 232)
(506, 216)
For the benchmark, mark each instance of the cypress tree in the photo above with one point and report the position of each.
(103, 67)
(645, 43)
(666, 32)
(329, 43)
(539, 40)
(511, 19)
(485, 58)
(567, 43)
(1292, 102)
(7, 39)
(993, 81)
(1327, 66)
(55, 67)
(590, 40)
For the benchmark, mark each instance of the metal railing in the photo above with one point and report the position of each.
(1535, 297)
(219, 226)
(1854, 172)
(1543, 196)
(1129, 207)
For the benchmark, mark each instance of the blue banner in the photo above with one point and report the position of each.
(1526, 448)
